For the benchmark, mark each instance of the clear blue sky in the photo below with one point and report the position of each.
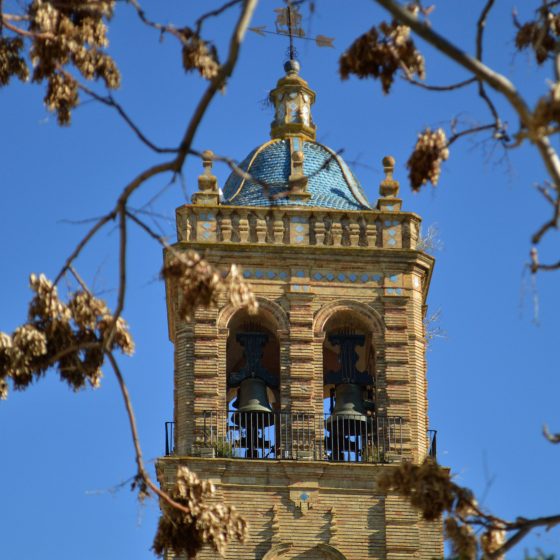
(493, 381)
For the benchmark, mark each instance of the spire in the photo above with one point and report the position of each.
(292, 99)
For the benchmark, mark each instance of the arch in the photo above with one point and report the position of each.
(267, 306)
(330, 552)
(362, 310)
(284, 551)
(278, 551)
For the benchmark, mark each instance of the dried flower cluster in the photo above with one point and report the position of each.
(70, 337)
(199, 284)
(12, 62)
(430, 489)
(205, 523)
(381, 53)
(61, 33)
(240, 294)
(199, 54)
(424, 164)
(540, 35)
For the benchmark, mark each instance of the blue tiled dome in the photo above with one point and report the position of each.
(330, 181)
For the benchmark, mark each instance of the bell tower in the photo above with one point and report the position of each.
(294, 412)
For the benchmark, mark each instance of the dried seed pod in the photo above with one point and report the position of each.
(424, 164)
(381, 53)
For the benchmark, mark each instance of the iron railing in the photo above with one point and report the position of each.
(296, 435)
(169, 438)
(432, 444)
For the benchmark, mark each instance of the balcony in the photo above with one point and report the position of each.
(294, 436)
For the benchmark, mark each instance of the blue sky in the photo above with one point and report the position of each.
(493, 380)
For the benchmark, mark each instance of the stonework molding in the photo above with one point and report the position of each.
(330, 552)
(283, 551)
(269, 307)
(278, 551)
(358, 308)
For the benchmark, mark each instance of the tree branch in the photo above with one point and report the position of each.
(449, 87)
(481, 24)
(110, 101)
(495, 80)
(142, 472)
(219, 81)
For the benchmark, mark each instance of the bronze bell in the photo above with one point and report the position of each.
(350, 410)
(252, 396)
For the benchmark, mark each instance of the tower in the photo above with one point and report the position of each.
(296, 411)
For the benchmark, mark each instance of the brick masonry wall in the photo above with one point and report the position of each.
(313, 511)
(299, 290)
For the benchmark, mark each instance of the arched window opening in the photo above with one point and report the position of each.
(351, 430)
(253, 382)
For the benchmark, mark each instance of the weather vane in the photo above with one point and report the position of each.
(288, 22)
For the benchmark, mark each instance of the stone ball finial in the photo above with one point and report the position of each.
(388, 164)
(292, 67)
(389, 187)
(207, 160)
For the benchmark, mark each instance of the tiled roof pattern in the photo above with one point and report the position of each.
(327, 183)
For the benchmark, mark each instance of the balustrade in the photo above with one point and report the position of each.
(288, 226)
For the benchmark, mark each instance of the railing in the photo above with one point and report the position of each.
(169, 438)
(286, 226)
(296, 435)
(432, 444)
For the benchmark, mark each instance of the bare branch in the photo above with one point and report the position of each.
(110, 101)
(85, 240)
(449, 87)
(481, 24)
(468, 131)
(219, 81)
(142, 472)
(494, 79)
(213, 13)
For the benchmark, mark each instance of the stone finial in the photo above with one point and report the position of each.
(208, 193)
(297, 180)
(389, 187)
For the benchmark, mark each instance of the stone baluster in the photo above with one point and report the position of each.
(336, 231)
(226, 227)
(261, 227)
(243, 227)
(320, 228)
(414, 230)
(354, 228)
(278, 229)
(371, 231)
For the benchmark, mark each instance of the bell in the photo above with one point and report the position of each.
(254, 415)
(350, 411)
(252, 396)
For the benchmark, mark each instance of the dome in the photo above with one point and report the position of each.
(330, 183)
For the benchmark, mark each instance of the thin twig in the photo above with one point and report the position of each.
(142, 472)
(110, 101)
(494, 79)
(468, 131)
(481, 24)
(213, 13)
(449, 87)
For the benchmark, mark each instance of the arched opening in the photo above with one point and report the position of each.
(349, 389)
(253, 382)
